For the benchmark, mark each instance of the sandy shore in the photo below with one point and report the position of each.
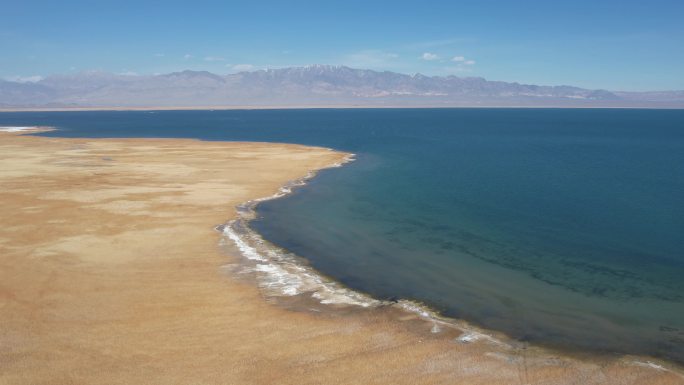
(296, 107)
(110, 273)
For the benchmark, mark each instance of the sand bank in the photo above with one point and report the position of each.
(111, 272)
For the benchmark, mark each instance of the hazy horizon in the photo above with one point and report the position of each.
(613, 45)
(312, 65)
(316, 85)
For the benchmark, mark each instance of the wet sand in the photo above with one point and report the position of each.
(111, 273)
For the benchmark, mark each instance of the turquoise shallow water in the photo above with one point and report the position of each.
(557, 226)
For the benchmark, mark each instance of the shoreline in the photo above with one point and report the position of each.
(305, 107)
(70, 290)
(279, 283)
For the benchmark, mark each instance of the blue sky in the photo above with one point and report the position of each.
(617, 45)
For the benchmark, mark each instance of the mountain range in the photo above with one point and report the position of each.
(314, 86)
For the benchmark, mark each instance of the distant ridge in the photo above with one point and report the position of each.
(315, 86)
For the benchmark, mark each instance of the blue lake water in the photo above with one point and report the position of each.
(560, 226)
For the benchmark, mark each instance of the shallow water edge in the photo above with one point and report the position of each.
(287, 279)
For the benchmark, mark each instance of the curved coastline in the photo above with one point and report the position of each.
(201, 326)
(280, 273)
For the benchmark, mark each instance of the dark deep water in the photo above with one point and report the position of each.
(559, 226)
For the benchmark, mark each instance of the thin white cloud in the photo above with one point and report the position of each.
(370, 58)
(429, 56)
(187, 56)
(128, 73)
(439, 43)
(25, 79)
(242, 67)
(456, 69)
(460, 64)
